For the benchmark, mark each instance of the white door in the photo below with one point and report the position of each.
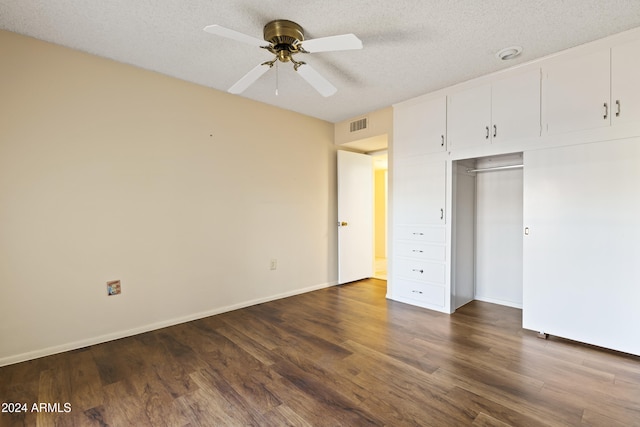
(355, 216)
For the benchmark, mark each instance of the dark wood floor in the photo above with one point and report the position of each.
(341, 356)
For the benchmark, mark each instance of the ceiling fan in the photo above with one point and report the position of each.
(286, 39)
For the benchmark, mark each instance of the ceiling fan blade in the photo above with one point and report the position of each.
(318, 82)
(235, 35)
(249, 78)
(326, 44)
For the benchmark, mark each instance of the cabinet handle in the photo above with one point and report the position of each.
(606, 111)
(487, 136)
(441, 213)
(495, 131)
(417, 271)
(416, 292)
(416, 250)
(618, 108)
(442, 143)
(418, 234)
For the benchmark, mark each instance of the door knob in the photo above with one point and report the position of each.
(342, 224)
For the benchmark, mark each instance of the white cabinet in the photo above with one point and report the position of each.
(419, 265)
(419, 232)
(419, 191)
(469, 118)
(420, 127)
(625, 85)
(592, 91)
(515, 107)
(575, 93)
(507, 109)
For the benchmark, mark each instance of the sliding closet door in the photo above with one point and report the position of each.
(581, 269)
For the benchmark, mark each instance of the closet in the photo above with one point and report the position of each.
(487, 230)
(522, 188)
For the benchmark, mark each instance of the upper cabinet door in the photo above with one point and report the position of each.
(469, 118)
(576, 93)
(515, 107)
(625, 84)
(420, 127)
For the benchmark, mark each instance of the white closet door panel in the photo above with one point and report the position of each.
(574, 93)
(581, 272)
(625, 85)
(469, 117)
(420, 128)
(515, 104)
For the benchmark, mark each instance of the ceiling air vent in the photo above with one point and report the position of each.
(358, 125)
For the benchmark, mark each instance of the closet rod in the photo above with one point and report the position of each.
(495, 168)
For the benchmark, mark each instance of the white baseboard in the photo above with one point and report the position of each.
(499, 302)
(9, 360)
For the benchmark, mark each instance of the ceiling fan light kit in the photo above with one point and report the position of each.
(285, 39)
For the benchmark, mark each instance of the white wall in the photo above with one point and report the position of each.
(499, 237)
(184, 193)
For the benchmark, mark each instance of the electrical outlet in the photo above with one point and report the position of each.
(113, 287)
(274, 264)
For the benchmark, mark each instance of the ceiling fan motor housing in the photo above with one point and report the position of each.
(285, 37)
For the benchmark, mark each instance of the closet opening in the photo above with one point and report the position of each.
(487, 230)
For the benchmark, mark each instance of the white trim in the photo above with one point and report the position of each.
(499, 302)
(152, 327)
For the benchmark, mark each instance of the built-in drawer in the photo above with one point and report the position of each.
(425, 251)
(423, 292)
(424, 271)
(421, 233)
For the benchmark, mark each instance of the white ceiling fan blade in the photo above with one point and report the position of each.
(326, 44)
(318, 82)
(249, 78)
(235, 35)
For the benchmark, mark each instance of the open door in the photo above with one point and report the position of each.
(355, 216)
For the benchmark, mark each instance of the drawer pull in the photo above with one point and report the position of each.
(417, 250)
(416, 292)
(418, 270)
(418, 234)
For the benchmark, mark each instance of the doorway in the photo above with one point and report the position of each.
(376, 148)
(487, 230)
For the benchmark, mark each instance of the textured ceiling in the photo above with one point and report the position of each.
(411, 47)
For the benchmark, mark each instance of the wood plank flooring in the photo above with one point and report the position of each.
(343, 356)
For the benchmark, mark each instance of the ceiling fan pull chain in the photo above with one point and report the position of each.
(277, 79)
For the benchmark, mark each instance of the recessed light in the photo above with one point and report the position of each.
(509, 53)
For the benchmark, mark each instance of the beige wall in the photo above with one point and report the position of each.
(182, 192)
(380, 125)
